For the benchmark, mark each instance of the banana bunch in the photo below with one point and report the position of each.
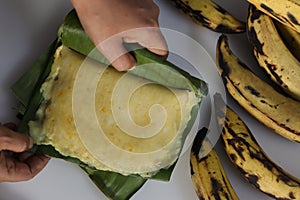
(273, 29)
(268, 106)
(208, 175)
(284, 11)
(271, 52)
(258, 169)
(210, 15)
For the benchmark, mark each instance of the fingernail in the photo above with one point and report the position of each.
(44, 158)
(132, 68)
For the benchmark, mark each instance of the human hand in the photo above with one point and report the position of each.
(22, 167)
(102, 19)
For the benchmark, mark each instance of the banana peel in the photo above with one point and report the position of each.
(261, 100)
(208, 175)
(211, 15)
(253, 163)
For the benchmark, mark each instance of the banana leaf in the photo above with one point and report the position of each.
(113, 185)
(25, 87)
(71, 34)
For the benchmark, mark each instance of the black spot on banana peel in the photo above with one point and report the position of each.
(233, 157)
(210, 15)
(270, 10)
(255, 15)
(276, 111)
(218, 190)
(252, 37)
(256, 167)
(291, 195)
(191, 169)
(293, 18)
(197, 143)
(221, 10)
(272, 69)
(221, 28)
(252, 90)
(251, 33)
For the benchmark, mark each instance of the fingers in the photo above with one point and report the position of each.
(23, 167)
(14, 141)
(13, 170)
(35, 164)
(115, 52)
(150, 38)
(113, 47)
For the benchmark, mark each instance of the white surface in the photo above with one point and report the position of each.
(28, 27)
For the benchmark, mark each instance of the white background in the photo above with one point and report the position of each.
(29, 26)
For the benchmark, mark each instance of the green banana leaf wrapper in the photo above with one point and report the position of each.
(71, 34)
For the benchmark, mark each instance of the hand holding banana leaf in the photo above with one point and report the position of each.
(22, 166)
(103, 19)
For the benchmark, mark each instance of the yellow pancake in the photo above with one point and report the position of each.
(111, 120)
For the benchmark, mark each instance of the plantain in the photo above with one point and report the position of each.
(284, 11)
(272, 54)
(208, 175)
(256, 167)
(260, 99)
(290, 37)
(210, 15)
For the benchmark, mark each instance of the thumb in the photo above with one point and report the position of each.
(124, 62)
(14, 141)
(116, 53)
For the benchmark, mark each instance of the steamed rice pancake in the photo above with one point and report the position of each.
(110, 120)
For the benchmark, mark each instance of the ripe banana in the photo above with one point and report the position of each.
(208, 175)
(258, 169)
(285, 11)
(272, 54)
(211, 15)
(290, 37)
(268, 106)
